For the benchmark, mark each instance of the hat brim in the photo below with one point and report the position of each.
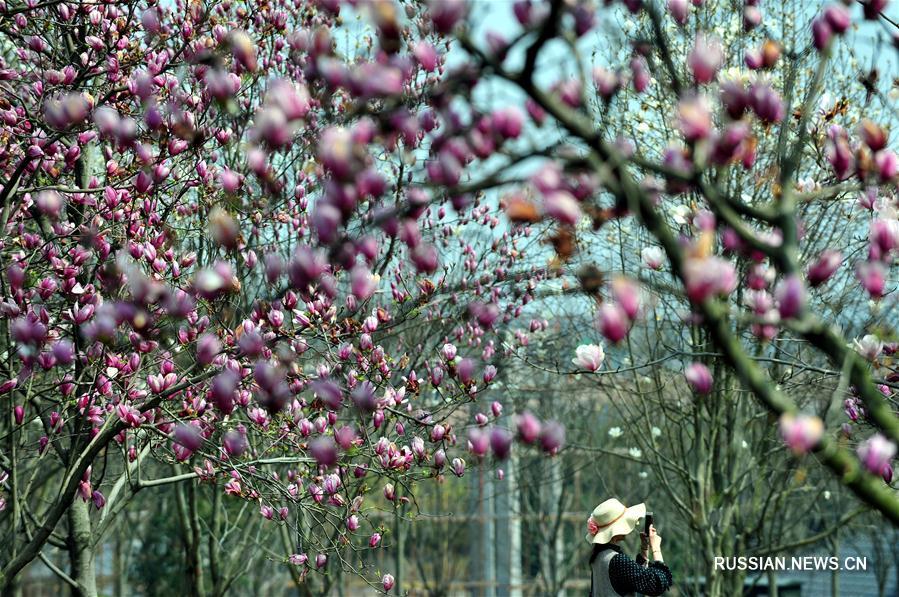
(623, 526)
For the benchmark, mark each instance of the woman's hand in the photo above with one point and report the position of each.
(655, 542)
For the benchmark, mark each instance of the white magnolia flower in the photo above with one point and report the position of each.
(808, 184)
(656, 432)
(681, 214)
(615, 432)
(653, 257)
(635, 452)
(869, 347)
(643, 474)
(589, 357)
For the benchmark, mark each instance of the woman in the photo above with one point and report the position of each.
(612, 572)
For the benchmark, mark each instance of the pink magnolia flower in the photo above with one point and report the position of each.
(790, 296)
(589, 357)
(528, 427)
(876, 453)
(824, 267)
(626, 293)
(562, 206)
(887, 165)
(870, 346)
(613, 322)
(244, 50)
(822, 33)
(705, 58)
(324, 450)
(640, 77)
(837, 16)
(352, 523)
(766, 103)
(387, 581)
(872, 275)
(478, 442)
(699, 377)
(653, 257)
(712, 276)
(425, 55)
(449, 352)
(98, 499)
(233, 487)
(446, 13)
(838, 152)
(607, 82)
(500, 442)
(679, 10)
(552, 437)
(694, 117)
(801, 433)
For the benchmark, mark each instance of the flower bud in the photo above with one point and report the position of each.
(876, 453)
(790, 296)
(824, 267)
(528, 427)
(699, 377)
(705, 59)
(801, 433)
(387, 581)
(458, 467)
(613, 322)
(324, 450)
(500, 442)
(552, 437)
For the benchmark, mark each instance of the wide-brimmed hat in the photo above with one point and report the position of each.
(612, 518)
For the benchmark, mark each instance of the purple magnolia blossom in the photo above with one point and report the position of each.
(387, 581)
(876, 453)
(501, 442)
(705, 58)
(790, 296)
(700, 378)
(801, 433)
(824, 267)
(324, 450)
(613, 322)
(528, 427)
(552, 437)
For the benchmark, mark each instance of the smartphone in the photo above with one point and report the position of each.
(648, 523)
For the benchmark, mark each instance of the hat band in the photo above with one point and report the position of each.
(593, 528)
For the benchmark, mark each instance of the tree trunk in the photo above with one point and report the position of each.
(551, 548)
(81, 551)
(400, 530)
(508, 534)
(119, 565)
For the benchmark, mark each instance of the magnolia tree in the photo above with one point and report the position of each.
(677, 408)
(225, 248)
(221, 222)
(675, 182)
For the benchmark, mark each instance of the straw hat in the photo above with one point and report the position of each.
(612, 518)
